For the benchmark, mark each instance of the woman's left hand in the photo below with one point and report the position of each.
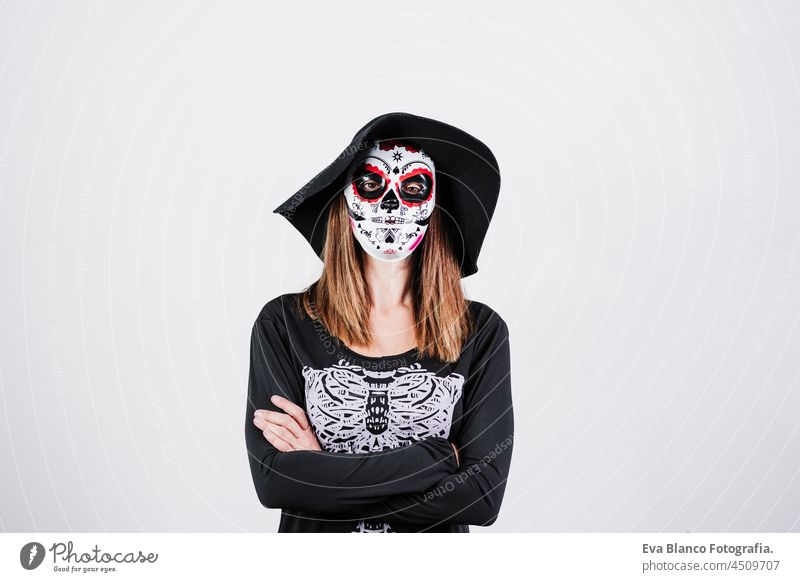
(286, 432)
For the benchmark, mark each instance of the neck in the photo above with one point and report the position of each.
(389, 283)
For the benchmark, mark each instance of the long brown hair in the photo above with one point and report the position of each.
(340, 298)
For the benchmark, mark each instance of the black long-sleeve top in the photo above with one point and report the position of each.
(385, 425)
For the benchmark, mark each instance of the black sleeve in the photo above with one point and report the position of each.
(474, 493)
(321, 481)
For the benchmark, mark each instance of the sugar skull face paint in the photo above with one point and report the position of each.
(390, 193)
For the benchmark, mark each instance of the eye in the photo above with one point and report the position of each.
(413, 188)
(416, 188)
(369, 185)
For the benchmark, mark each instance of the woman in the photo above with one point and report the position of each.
(379, 398)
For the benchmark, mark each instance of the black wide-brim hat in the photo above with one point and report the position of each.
(467, 187)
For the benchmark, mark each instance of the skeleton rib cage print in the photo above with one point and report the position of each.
(356, 410)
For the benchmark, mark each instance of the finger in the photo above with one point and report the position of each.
(284, 434)
(283, 420)
(292, 410)
(277, 442)
(277, 430)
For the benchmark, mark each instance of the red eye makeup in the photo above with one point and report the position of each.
(369, 182)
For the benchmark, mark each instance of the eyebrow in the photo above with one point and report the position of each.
(385, 165)
(403, 169)
(369, 169)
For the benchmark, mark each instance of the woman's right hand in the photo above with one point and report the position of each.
(287, 432)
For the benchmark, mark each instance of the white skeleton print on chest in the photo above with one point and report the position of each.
(355, 410)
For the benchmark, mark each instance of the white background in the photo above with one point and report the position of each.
(644, 251)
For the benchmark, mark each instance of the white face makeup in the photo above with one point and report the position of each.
(390, 196)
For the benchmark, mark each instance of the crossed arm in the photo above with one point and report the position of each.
(310, 479)
(290, 430)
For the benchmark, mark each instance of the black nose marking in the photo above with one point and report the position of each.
(390, 202)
